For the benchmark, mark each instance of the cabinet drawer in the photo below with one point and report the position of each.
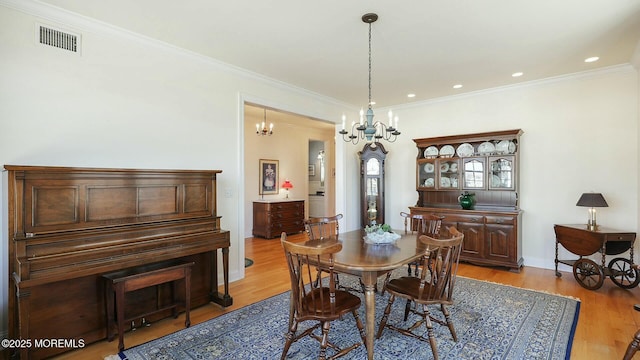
(295, 226)
(289, 227)
(619, 237)
(285, 216)
(285, 207)
(290, 222)
(451, 218)
(503, 220)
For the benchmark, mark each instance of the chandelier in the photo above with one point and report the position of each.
(263, 130)
(368, 129)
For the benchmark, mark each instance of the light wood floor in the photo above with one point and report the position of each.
(606, 325)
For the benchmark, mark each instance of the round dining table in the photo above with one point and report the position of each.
(370, 261)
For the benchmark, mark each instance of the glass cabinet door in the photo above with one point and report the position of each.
(427, 174)
(473, 172)
(502, 173)
(448, 174)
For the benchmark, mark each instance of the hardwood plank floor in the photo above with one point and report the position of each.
(606, 325)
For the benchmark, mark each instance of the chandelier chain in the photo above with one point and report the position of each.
(368, 129)
(369, 65)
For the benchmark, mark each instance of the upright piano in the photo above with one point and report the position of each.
(67, 226)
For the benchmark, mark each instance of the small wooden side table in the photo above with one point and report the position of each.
(581, 241)
(122, 281)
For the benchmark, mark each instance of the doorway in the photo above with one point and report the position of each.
(317, 179)
(290, 146)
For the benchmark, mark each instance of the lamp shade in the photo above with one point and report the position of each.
(592, 200)
(287, 185)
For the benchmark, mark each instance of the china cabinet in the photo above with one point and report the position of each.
(482, 164)
(372, 158)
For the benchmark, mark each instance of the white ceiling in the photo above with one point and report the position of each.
(419, 46)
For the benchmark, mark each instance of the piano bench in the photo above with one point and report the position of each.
(120, 282)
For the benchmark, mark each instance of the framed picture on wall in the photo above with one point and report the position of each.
(269, 172)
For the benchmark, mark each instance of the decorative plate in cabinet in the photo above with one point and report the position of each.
(447, 151)
(431, 152)
(465, 150)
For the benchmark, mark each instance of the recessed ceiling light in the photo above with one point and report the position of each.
(411, 95)
(457, 86)
(591, 59)
(517, 74)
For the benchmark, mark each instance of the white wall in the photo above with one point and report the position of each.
(129, 102)
(580, 135)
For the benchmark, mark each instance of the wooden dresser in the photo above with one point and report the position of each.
(272, 217)
(69, 226)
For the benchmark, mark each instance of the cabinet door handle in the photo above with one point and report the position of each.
(499, 221)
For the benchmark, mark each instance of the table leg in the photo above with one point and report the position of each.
(370, 280)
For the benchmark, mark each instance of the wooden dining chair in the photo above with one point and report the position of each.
(434, 286)
(634, 345)
(315, 300)
(318, 228)
(422, 224)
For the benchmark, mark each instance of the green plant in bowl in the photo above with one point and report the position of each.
(375, 228)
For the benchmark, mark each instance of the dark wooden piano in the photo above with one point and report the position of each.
(67, 226)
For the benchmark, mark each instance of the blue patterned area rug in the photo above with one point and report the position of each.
(492, 321)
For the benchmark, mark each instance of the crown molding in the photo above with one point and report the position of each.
(70, 20)
(526, 84)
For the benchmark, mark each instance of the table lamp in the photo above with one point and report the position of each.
(287, 185)
(592, 201)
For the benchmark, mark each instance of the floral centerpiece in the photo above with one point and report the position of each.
(380, 234)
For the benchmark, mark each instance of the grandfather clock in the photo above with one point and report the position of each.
(372, 159)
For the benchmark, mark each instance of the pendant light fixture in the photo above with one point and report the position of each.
(263, 130)
(368, 129)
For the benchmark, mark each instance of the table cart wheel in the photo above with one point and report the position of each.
(588, 274)
(623, 273)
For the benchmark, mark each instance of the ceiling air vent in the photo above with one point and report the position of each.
(58, 38)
